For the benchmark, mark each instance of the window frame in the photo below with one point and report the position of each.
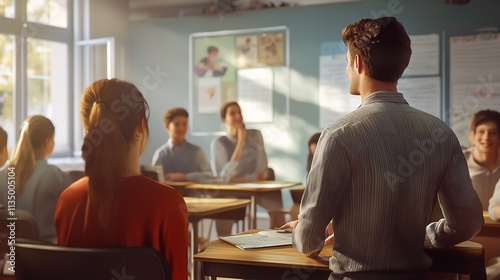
(22, 30)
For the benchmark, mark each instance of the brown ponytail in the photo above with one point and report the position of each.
(34, 132)
(111, 110)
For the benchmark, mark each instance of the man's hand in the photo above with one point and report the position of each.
(291, 225)
(330, 237)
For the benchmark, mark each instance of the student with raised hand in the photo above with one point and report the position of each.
(377, 171)
(181, 160)
(240, 156)
(483, 159)
(113, 205)
(38, 184)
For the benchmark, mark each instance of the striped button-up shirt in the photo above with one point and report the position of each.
(377, 172)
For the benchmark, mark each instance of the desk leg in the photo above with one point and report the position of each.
(253, 210)
(195, 269)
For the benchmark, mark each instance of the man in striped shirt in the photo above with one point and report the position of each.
(377, 171)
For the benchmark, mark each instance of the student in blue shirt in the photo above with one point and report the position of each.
(181, 160)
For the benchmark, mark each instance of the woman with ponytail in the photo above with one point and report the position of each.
(37, 184)
(113, 205)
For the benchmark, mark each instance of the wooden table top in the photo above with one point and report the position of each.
(257, 186)
(284, 256)
(208, 206)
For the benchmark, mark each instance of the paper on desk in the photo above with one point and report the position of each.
(262, 239)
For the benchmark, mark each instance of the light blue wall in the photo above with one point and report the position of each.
(164, 43)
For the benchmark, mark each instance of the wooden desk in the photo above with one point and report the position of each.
(211, 208)
(489, 237)
(251, 189)
(180, 186)
(220, 259)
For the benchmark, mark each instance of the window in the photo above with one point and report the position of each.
(7, 8)
(49, 12)
(7, 44)
(36, 43)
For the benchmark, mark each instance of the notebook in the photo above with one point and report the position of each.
(261, 239)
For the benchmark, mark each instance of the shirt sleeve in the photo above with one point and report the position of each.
(326, 184)
(203, 167)
(462, 209)
(494, 201)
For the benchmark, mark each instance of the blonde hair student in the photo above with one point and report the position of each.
(38, 184)
(113, 205)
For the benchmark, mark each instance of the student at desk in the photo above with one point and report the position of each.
(38, 184)
(114, 206)
(181, 160)
(377, 171)
(484, 158)
(493, 265)
(240, 156)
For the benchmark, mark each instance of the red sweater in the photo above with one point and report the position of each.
(148, 214)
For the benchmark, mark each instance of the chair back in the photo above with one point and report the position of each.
(37, 261)
(25, 227)
(270, 174)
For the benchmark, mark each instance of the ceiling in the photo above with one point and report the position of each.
(144, 9)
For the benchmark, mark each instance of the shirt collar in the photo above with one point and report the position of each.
(171, 145)
(384, 96)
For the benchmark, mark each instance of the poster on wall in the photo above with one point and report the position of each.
(238, 65)
(209, 95)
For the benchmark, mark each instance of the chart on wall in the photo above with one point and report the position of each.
(239, 65)
(421, 83)
(474, 79)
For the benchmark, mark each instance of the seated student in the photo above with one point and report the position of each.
(494, 204)
(114, 206)
(181, 160)
(38, 184)
(493, 265)
(483, 159)
(240, 156)
(4, 156)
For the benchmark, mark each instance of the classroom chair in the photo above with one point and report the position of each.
(464, 258)
(25, 227)
(37, 261)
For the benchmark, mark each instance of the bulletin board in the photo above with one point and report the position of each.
(248, 66)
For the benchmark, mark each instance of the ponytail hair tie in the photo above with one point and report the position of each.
(99, 101)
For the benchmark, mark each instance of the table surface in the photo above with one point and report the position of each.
(488, 222)
(257, 186)
(207, 206)
(283, 256)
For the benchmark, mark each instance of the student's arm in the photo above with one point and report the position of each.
(494, 206)
(259, 152)
(326, 184)
(224, 169)
(203, 166)
(462, 210)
